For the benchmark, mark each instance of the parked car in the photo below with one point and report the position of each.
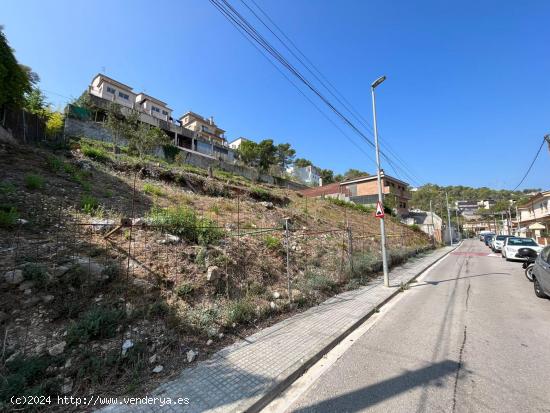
(488, 238)
(513, 244)
(498, 242)
(541, 274)
(482, 235)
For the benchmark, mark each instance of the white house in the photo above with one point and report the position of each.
(110, 89)
(308, 175)
(153, 107)
(236, 144)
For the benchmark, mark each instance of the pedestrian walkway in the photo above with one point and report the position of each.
(245, 375)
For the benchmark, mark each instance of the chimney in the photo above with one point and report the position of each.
(211, 120)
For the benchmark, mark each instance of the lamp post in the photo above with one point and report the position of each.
(373, 86)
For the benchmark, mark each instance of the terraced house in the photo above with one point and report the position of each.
(534, 218)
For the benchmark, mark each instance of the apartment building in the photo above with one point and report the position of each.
(112, 90)
(534, 217)
(308, 175)
(153, 107)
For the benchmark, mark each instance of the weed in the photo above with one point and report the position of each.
(215, 209)
(240, 311)
(351, 205)
(95, 153)
(257, 289)
(204, 319)
(415, 228)
(273, 243)
(319, 282)
(8, 216)
(170, 152)
(200, 258)
(153, 189)
(24, 376)
(260, 194)
(89, 204)
(108, 193)
(54, 164)
(158, 309)
(185, 289)
(183, 221)
(36, 273)
(100, 322)
(33, 181)
(6, 188)
(364, 264)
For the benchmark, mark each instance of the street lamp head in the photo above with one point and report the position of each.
(378, 81)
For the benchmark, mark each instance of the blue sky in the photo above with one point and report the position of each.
(466, 102)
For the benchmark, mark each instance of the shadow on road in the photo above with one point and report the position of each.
(376, 393)
(459, 278)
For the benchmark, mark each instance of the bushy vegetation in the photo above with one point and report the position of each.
(36, 273)
(260, 194)
(184, 289)
(152, 189)
(34, 181)
(89, 204)
(240, 312)
(273, 243)
(94, 152)
(318, 282)
(8, 216)
(6, 188)
(54, 164)
(351, 205)
(97, 323)
(183, 221)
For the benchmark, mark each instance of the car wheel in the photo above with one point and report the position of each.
(529, 272)
(538, 291)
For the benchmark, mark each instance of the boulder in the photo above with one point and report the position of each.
(58, 349)
(25, 285)
(59, 270)
(272, 305)
(46, 299)
(276, 295)
(209, 342)
(31, 302)
(14, 277)
(158, 369)
(127, 345)
(267, 204)
(191, 356)
(91, 267)
(102, 224)
(169, 239)
(213, 273)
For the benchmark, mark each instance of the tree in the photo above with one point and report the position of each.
(248, 153)
(35, 102)
(284, 155)
(266, 154)
(54, 124)
(354, 173)
(144, 138)
(15, 80)
(302, 163)
(116, 123)
(327, 176)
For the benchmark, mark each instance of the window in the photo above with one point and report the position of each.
(111, 90)
(165, 112)
(155, 109)
(205, 128)
(123, 95)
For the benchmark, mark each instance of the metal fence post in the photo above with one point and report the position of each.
(287, 239)
(350, 250)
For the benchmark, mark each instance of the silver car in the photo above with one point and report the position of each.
(513, 244)
(541, 274)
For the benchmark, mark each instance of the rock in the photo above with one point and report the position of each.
(58, 349)
(46, 299)
(128, 344)
(209, 342)
(153, 359)
(158, 369)
(191, 356)
(129, 307)
(14, 277)
(28, 291)
(31, 302)
(136, 222)
(22, 221)
(67, 388)
(13, 357)
(25, 285)
(60, 270)
(268, 205)
(169, 239)
(220, 336)
(3, 317)
(69, 363)
(213, 273)
(91, 267)
(147, 286)
(102, 225)
(272, 305)
(276, 295)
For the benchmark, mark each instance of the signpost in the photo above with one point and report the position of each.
(379, 210)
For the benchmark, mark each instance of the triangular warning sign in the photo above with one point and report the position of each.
(379, 210)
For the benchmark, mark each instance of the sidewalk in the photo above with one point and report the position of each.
(246, 375)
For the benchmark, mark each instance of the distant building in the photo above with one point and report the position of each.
(153, 107)
(467, 208)
(236, 144)
(364, 190)
(429, 223)
(486, 203)
(308, 175)
(534, 218)
(203, 128)
(112, 90)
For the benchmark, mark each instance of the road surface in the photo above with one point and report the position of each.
(470, 336)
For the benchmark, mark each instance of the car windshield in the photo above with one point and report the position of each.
(522, 241)
(502, 237)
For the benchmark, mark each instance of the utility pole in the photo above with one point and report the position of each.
(547, 138)
(379, 179)
(449, 219)
(458, 223)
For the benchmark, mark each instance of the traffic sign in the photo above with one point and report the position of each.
(379, 210)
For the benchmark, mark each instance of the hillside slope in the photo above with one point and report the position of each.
(117, 272)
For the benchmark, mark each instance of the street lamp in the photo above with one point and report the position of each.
(376, 83)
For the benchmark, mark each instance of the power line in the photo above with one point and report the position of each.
(237, 19)
(532, 163)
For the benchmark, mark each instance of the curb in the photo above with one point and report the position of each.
(280, 386)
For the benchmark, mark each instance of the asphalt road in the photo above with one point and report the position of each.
(471, 336)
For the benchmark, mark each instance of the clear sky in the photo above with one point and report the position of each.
(466, 102)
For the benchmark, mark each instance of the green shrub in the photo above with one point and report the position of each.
(25, 376)
(203, 319)
(8, 216)
(153, 189)
(185, 289)
(364, 264)
(319, 282)
(54, 164)
(240, 311)
(415, 228)
(183, 221)
(351, 205)
(100, 322)
(158, 309)
(6, 188)
(89, 204)
(170, 152)
(36, 273)
(273, 243)
(260, 194)
(33, 181)
(95, 153)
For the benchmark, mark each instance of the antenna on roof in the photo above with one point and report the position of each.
(103, 69)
